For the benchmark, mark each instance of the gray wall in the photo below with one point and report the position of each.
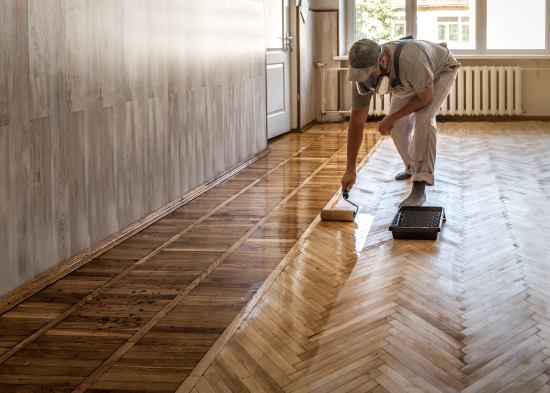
(110, 109)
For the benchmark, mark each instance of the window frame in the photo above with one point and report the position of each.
(480, 27)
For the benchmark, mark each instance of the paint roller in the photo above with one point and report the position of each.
(340, 215)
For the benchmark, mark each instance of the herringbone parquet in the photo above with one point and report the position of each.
(470, 312)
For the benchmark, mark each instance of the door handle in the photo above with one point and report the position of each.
(287, 43)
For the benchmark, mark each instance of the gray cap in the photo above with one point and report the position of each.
(363, 56)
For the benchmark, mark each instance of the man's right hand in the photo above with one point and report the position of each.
(348, 180)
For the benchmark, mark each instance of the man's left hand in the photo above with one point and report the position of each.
(386, 125)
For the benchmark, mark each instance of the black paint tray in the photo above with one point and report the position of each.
(417, 222)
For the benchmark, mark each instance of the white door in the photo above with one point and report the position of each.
(279, 45)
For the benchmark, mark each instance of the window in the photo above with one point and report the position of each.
(446, 20)
(528, 21)
(506, 27)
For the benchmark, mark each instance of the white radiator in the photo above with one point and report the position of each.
(479, 90)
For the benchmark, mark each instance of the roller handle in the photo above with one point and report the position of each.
(345, 195)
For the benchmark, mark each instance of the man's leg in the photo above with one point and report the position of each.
(401, 135)
(423, 147)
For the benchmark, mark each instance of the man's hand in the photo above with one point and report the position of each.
(387, 124)
(348, 180)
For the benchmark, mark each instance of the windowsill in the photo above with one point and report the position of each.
(503, 57)
(482, 57)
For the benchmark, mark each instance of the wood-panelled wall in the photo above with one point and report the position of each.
(110, 109)
(325, 47)
(307, 69)
(318, 43)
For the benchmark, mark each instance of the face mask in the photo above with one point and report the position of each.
(369, 81)
(378, 84)
(383, 85)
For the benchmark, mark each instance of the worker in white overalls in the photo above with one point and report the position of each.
(419, 74)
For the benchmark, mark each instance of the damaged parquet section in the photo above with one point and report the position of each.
(469, 312)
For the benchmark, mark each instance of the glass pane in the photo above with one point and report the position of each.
(273, 12)
(465, 33)
(379, 20)
(453, 32)
(452, 21)
(513, 25)
(442, 32)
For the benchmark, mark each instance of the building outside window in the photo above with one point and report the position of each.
(453, 28)
(446, 20)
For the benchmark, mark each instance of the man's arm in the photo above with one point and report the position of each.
(355, 138)
(420, 100)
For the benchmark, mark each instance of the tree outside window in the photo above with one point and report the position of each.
(379, 20)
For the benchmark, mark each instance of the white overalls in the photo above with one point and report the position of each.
(418, 151)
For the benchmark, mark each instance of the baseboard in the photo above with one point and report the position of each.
(309, 125)
(476, 118)
(334, 122)
(276, 138)
(306, 127)
(491, 118)
(24, 292)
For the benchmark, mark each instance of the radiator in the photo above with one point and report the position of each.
(479, 90)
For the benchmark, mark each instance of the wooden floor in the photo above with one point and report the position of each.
(469, 312)
(246, 290)
(140, 317)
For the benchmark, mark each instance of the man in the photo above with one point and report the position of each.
(425, 74)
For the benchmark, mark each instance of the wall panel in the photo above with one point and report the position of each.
(307, 70)
(325, 47)
(318, 43)
(110, 109)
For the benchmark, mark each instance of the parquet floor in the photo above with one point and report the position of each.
(140, 317)
(470, 312)
(246, 290)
